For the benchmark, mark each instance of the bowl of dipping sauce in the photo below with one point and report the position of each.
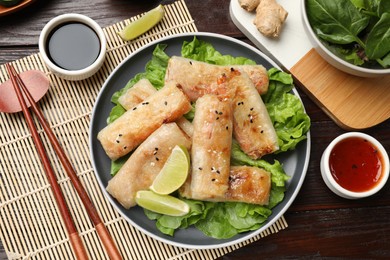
(355, 165)
(73, 46)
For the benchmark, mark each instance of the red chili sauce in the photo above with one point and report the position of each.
(356, 164)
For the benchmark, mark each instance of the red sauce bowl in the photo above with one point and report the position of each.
(355, 165)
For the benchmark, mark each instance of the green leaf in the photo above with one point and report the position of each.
(360, 4)
(154, 72)
(336, 21)
(378, 40)
(286, 111)
(203, 51)
(117, 164)
(349, 54)
(278, 176)
(115, 113)
(383, 7)
(216, 224)
(210, 217)
(385, 62)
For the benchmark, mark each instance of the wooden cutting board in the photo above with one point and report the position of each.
(354, 103)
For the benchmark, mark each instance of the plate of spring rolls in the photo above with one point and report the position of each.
(237, 113)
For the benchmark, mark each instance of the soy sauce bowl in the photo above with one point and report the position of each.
(73, 46)
(345, 165)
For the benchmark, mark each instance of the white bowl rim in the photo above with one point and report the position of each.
(338, 187)
(72, 17)
(351, 66)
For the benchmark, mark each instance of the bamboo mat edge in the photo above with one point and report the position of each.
(26, 198)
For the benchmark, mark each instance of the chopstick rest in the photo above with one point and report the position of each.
(37, 83)
(76, 242)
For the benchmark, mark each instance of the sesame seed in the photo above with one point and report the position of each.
(134, 108)
(200, 168)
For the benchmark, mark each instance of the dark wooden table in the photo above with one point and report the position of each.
(320, 223)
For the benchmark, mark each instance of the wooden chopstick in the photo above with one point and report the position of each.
(102, 231)
(74, 237)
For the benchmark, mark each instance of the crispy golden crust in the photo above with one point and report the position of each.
(136, 94)
(200, 78)
(136, 124)
(142, 167)
(249, 184)
(252, 126)
(246, 184)
(211, 146)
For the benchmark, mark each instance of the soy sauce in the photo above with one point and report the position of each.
(73, 46)
(356, 164)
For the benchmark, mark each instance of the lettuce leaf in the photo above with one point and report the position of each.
(286, 110)
(226, 219)
(154, 72)
(203, 51)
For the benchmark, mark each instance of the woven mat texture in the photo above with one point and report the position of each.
(30, 223)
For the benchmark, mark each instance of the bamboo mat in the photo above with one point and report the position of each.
(30, 224)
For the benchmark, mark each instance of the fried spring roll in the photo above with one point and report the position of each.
(142, 167)
(252, 126)
(249, 184)
(136, 94)
(246, 184)
(211, 146)
(199, 78)
(186, 126)
(135, 125)
(142, 90)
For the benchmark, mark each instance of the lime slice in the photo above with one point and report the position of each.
(163, 204)
(174, 172)
(143, 24)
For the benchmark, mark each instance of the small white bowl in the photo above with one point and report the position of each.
(78, 74)
(333, 59)
(337, 188)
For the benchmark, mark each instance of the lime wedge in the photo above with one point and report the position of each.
(163, 204)
(143, 24)
(174, 172)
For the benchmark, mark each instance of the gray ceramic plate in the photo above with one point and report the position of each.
(295, 163)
